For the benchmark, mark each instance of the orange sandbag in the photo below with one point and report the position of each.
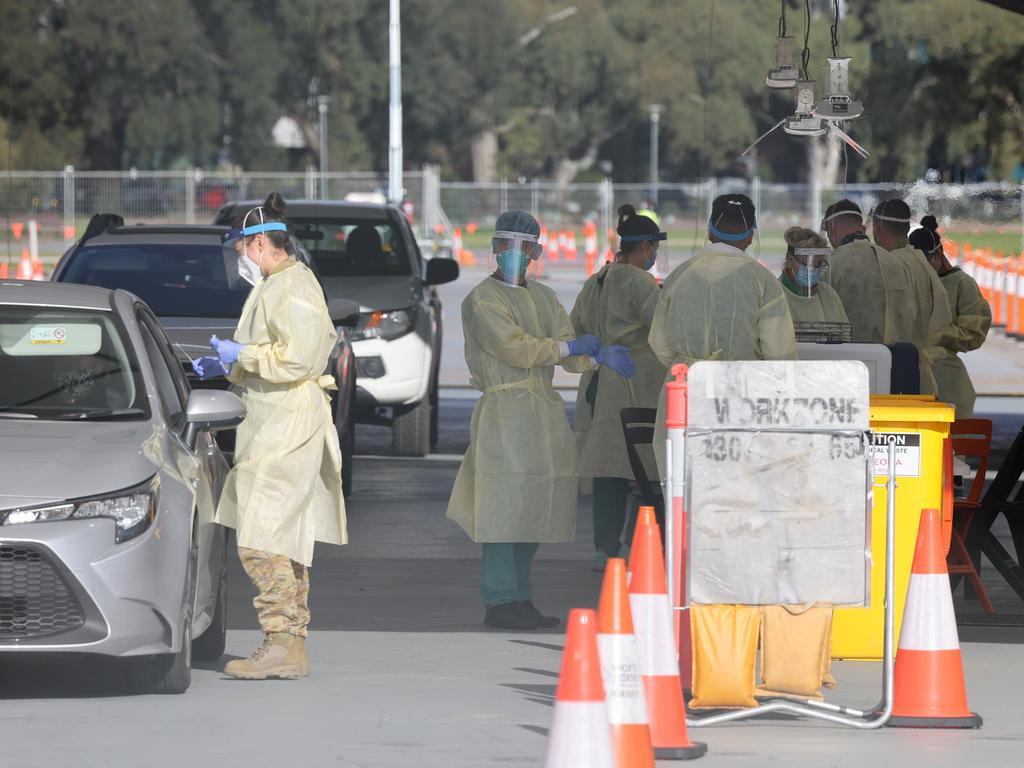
(796, 650)
(724, 655)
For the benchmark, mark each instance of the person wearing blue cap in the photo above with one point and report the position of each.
(284, 490)
(721, 304)
(516, 488)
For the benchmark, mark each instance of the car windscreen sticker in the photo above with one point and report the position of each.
(49, 334)
(50, 339)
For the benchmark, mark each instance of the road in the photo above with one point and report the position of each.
(405, 674)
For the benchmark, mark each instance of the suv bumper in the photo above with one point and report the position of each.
(407, 362)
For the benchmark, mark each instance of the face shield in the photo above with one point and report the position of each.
(736, 239)
(511, 255)
(656, 257)
(877, 217)
(235, 245)
(807, 268)
(826, 224)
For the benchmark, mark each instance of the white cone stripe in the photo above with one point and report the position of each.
(623, 685)
(652, 624)
(580, 736)
(929, 623)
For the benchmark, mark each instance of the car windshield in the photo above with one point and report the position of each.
(62, 363)
(353, 248)
(174, 280)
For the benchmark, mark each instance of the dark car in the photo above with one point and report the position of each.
(367, 252)
(181, 272)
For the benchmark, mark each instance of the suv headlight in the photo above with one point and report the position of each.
(385, 325)
(132, 510)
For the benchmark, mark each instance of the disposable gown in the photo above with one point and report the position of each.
(972, 317)
(822, 306)
(875, 291)
(719, 305)
(284, 491)
(617, 304)
(934, 315)
(517, 482)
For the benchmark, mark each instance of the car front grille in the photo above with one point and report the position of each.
(35, 599)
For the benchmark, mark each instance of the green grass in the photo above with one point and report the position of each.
(1007, 242)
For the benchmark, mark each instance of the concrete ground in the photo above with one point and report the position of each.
(405, 674)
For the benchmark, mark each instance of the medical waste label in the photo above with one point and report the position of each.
(908, 453)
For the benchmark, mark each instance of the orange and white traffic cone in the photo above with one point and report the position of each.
(571, 241)
(38, 273)
(4, 271)
(620, 669)
(24, 266)
(659, 665)
(929, 690)
(579, 735)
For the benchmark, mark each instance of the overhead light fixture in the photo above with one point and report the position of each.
(803, 121)
(837, 104)
(784, 75)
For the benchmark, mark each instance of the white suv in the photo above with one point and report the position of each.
(367, 252)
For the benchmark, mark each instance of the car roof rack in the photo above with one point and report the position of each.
(100, 223)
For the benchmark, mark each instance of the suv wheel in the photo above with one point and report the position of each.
(209, 646)
(348, 449)
(410, 434)
(435, 411)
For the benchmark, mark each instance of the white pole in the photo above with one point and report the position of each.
(395, 112)
(33, 239)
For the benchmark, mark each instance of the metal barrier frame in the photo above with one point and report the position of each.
(870, 719)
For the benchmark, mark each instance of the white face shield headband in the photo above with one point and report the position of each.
(249, 270)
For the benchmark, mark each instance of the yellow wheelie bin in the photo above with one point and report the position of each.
(918, 426)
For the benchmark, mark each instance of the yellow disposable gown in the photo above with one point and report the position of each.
(875, 291)
(617, 304)
(284, 491)
(719, 305)
(518, 481)
(822, 306)
(934, 315)
(972, 317)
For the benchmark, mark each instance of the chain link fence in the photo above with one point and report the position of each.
(61, 203)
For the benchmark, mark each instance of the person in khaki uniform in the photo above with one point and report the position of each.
(284, 491)
(890, 225)
(871, 283)
(972, 317)
(804, 276)
(617, 304)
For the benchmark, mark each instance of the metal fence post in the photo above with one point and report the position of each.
(504, 194)
(311, 178)
(755, 193)
(191, 178)
(607, 205)
(69, 204)
(535, 197)
(815, 201)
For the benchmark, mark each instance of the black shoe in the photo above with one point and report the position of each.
(543, 622)
(509, 616)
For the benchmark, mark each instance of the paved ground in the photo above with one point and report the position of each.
(404, 674)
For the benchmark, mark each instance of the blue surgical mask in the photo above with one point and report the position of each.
(807, 277)
(512, 263)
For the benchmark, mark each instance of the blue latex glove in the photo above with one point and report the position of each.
(226, 349)
(617, 358)
(584, 345)
(208, 367)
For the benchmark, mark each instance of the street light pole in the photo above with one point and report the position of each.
(321, 103)
(395, 111)
(655, 111)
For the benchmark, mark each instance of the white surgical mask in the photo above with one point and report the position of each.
(249, 270)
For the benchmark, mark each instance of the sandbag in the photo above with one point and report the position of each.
(796, 650)
(724, 655)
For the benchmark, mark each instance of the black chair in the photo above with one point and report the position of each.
(638, 428)
(1002, 498)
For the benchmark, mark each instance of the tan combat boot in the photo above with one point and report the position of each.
(297, 654)
(273, 659)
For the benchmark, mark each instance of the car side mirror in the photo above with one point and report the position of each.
(441, 271)
(210, 410)
(343, 312)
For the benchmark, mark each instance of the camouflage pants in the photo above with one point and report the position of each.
(282, 585)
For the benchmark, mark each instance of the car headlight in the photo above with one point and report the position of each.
(132, 510)
(385, 325)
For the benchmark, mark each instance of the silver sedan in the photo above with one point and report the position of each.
(109, 479)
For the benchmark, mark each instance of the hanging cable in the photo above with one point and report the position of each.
(835, 29)
(782, 18)
(805, 57)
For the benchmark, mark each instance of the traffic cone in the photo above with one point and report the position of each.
(24, 266)
(929, 690)
(659, 665)
(579, 735)
(37, 270)
(620, 669)
(4, 271)
(573, 249)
